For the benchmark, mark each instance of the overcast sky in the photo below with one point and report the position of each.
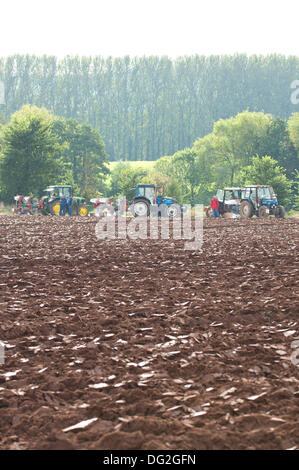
(148, 27)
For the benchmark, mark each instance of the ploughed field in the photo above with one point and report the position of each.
(145, 345)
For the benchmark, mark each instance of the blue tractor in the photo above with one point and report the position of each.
(260, 200)
(149, 200)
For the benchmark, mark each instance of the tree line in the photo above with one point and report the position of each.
(148, 107)
(38, 148)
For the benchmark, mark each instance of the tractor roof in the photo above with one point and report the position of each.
(232, 189)
(49, 188)
(257, 186)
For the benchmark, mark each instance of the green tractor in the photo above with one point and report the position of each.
(50, 203)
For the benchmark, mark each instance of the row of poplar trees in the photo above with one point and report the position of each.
(150, 106)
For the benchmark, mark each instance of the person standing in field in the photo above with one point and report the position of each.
(63, 205)
(69, 205)
(215, 207)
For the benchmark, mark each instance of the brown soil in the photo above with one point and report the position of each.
(166, 348)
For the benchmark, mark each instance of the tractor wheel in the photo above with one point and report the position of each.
(83, 210)
(246, 210)
(54, 207)
(263, 212)
(141, 209)
(280, 212)
(173, 211)
(34, 211)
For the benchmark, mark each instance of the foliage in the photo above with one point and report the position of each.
(38, 148)
(129, 178)
(295, 190)
(115, 177)
(265, 170)
(294, 129)
(171, 187)
(188, 170)
(235, 140)
(277, 143)
(146, 107)
(84, 159)
(29, 146)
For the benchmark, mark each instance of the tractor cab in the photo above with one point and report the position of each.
(54, 192)
(229, 200)
(229, 194)
(154, 194)
(148, 191)
(259, 196)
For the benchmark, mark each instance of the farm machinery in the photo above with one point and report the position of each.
(149, 200)
(229, 202)
(26, 205)
(260, 200)
(104, 206)
(49, 204)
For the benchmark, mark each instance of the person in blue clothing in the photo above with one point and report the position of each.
(160, 196)
(69, 205)
(63, 205)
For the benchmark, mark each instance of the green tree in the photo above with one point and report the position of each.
(84, 157)
(213, 175)
(277, 143)
(294, 129)
(171, 187)
(295, 190)
(1, 135)
(188, 169)
(115, 178)
(265, 170)
(236, 140)
(28, 162)
(129, 178)
(146, 107)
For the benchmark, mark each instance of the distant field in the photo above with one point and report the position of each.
(5, 208)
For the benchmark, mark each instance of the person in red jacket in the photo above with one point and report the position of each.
(215, 207)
